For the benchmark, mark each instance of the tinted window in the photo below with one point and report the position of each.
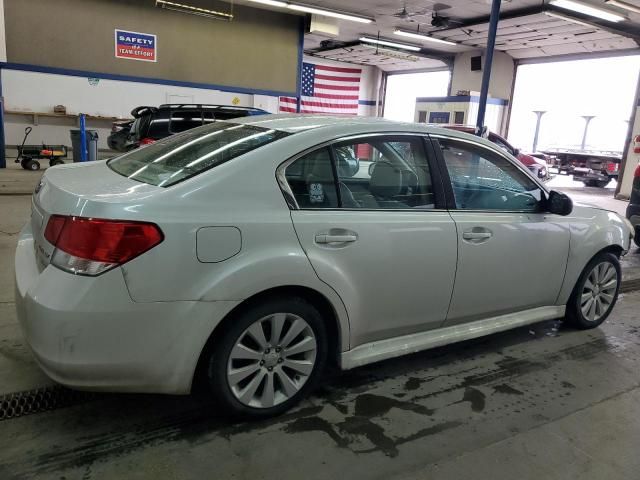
(312, 181)
(140, 127)
(483, 180)
(183, 120)
(373, 173)
(384, 173)
(182, 156)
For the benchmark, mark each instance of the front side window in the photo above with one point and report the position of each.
(182, 156)
(483, 180)
(373, 173)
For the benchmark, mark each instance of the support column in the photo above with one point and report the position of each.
(630, 159)
(3, 58)
(488, 61)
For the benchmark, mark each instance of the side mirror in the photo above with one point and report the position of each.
(516, 152)
(559, 203)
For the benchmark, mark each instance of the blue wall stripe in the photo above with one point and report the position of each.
(128, 78)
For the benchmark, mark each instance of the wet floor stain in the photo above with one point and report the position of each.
(507, 389)
(475, 397)
(412, 383)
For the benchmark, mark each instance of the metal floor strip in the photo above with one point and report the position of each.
(13, 405)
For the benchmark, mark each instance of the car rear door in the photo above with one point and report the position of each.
(368, 213)
(512, 255)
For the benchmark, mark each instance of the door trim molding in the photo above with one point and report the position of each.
(398, 346)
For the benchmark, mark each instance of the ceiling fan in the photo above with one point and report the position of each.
(437, 20)
(406, 15)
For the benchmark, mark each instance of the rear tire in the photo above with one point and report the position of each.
(595, 293)
(282, 343)
(602, 183)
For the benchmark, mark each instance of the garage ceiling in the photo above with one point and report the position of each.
(523, 31)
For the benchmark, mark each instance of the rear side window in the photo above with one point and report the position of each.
(182, 156)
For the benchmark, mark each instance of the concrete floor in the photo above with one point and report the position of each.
(541, 402)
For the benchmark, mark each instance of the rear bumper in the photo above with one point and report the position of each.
(87, 333)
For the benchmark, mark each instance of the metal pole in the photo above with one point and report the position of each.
(3, 158)
(539, 114)
(83, 139)
(488, 61)
(587, 119)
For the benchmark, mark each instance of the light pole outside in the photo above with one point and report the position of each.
(539, 114)
(587, 119)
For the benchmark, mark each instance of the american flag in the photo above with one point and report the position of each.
(326, 89)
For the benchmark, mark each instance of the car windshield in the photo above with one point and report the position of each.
(182, 156)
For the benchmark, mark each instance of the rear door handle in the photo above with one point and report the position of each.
(325, 238)
(476, 235)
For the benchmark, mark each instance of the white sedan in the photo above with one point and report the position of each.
(248, 254)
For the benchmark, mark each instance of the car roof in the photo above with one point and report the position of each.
(292, 123)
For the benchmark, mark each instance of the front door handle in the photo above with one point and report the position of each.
(326, 238)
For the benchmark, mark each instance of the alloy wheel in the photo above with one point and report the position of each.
(271, 360)
(598, 292)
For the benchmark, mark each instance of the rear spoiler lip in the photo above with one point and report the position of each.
(139, 111)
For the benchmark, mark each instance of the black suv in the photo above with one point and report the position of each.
(154, 123)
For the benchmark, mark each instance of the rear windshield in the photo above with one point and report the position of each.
(182, 156)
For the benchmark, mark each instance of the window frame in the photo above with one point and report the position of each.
(493, 149)
(438, 183)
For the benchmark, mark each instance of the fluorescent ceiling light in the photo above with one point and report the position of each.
(329, 13)
(624, 5)
(316, 10)
(271, 3)
(587, 10)
(421, 36)
(567, 18)
(190, 9)
(390, 44)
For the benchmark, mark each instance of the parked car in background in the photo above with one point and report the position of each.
(633, 210)
(248, 254)
(117, 140)
(591, 167)
(151, 124)
(538, 166)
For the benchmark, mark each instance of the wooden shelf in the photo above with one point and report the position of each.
(37, 115)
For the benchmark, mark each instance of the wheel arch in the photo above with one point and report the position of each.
(320, 301)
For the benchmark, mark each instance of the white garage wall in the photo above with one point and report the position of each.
(40, 92)
(502, 73)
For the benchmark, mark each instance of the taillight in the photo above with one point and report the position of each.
(147, 141)
(612, 167)
(91, 246)
(636, 174)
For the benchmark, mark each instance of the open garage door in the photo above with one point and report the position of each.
(569, 92)
(403, 89)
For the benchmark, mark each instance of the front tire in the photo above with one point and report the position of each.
(269, 358)
(596, 292)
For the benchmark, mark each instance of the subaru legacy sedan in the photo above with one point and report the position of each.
(249, 254)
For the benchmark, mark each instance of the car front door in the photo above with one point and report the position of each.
(369, 215)
(512, 255)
